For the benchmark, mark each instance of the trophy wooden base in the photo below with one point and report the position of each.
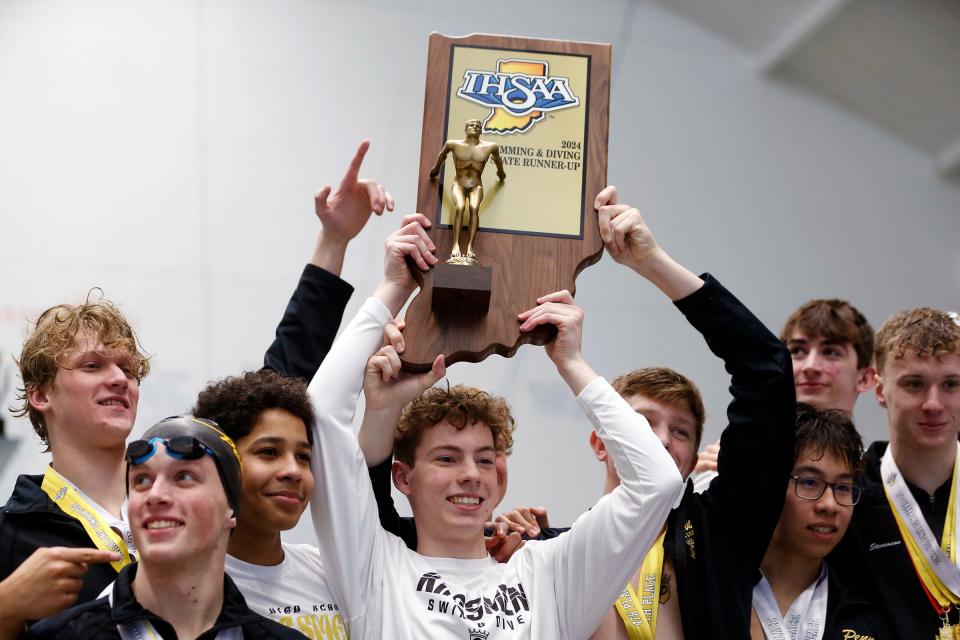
(461, 287)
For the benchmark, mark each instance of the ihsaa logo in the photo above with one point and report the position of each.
(519, 93)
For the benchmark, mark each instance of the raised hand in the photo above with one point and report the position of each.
(345, 211)
(630, 242)
(626, 236)
(409, 241)
(386, 390)
(386, 386)
(559, 310)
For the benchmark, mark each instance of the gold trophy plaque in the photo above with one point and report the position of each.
(513, 152)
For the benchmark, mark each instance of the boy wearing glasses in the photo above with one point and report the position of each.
(184, 483)
(797, 591)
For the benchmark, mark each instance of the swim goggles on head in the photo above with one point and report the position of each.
(178, 447)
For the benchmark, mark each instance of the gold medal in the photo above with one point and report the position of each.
(947, 630)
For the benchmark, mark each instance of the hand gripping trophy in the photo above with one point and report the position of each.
(469, 158)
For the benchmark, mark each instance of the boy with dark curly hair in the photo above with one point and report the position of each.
(271, 419)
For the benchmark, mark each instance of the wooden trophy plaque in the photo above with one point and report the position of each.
(544, 104)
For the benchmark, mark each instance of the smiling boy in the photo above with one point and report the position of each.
(905, 523)
(184, 484)
(797, 590)
(705, 539)
(451, 587)
(271, 420)
(831, 347)
(81, 369)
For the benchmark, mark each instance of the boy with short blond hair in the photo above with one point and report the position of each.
(56, 335)
(81, 375)
(667, 386)
(900, 549)
(81, 369)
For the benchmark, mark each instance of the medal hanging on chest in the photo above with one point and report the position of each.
(807, 615)
(949, 630)
(935, 563)
(73, 504)
(638, 612)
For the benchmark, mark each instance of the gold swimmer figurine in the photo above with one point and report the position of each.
(469, 158)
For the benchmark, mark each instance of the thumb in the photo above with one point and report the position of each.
(320, 197)
(437, 371)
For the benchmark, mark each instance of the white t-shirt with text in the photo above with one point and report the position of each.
(294, 593)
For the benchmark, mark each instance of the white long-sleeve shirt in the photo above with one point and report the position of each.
(547, 590)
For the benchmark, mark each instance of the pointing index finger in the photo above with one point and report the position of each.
(353, 170)
(96, 556)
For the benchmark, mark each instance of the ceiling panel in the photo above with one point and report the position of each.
(895, 61)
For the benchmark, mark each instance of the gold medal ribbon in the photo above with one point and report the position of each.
(639, 611)
(73, 504)
(935, 566)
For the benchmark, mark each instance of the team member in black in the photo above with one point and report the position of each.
(918, 368)
(798, 591)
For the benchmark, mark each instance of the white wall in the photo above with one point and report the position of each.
(168, 152)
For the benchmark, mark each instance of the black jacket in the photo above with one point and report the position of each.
(31, 520)
(717, 539)
(309, 325)
(847, 613)
(872, 558)
(98, 620)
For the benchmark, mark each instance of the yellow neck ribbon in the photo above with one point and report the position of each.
(639, 611)
(74, 505)
(914, 531)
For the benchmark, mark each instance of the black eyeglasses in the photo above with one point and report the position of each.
(845, 493)
(179, 447)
